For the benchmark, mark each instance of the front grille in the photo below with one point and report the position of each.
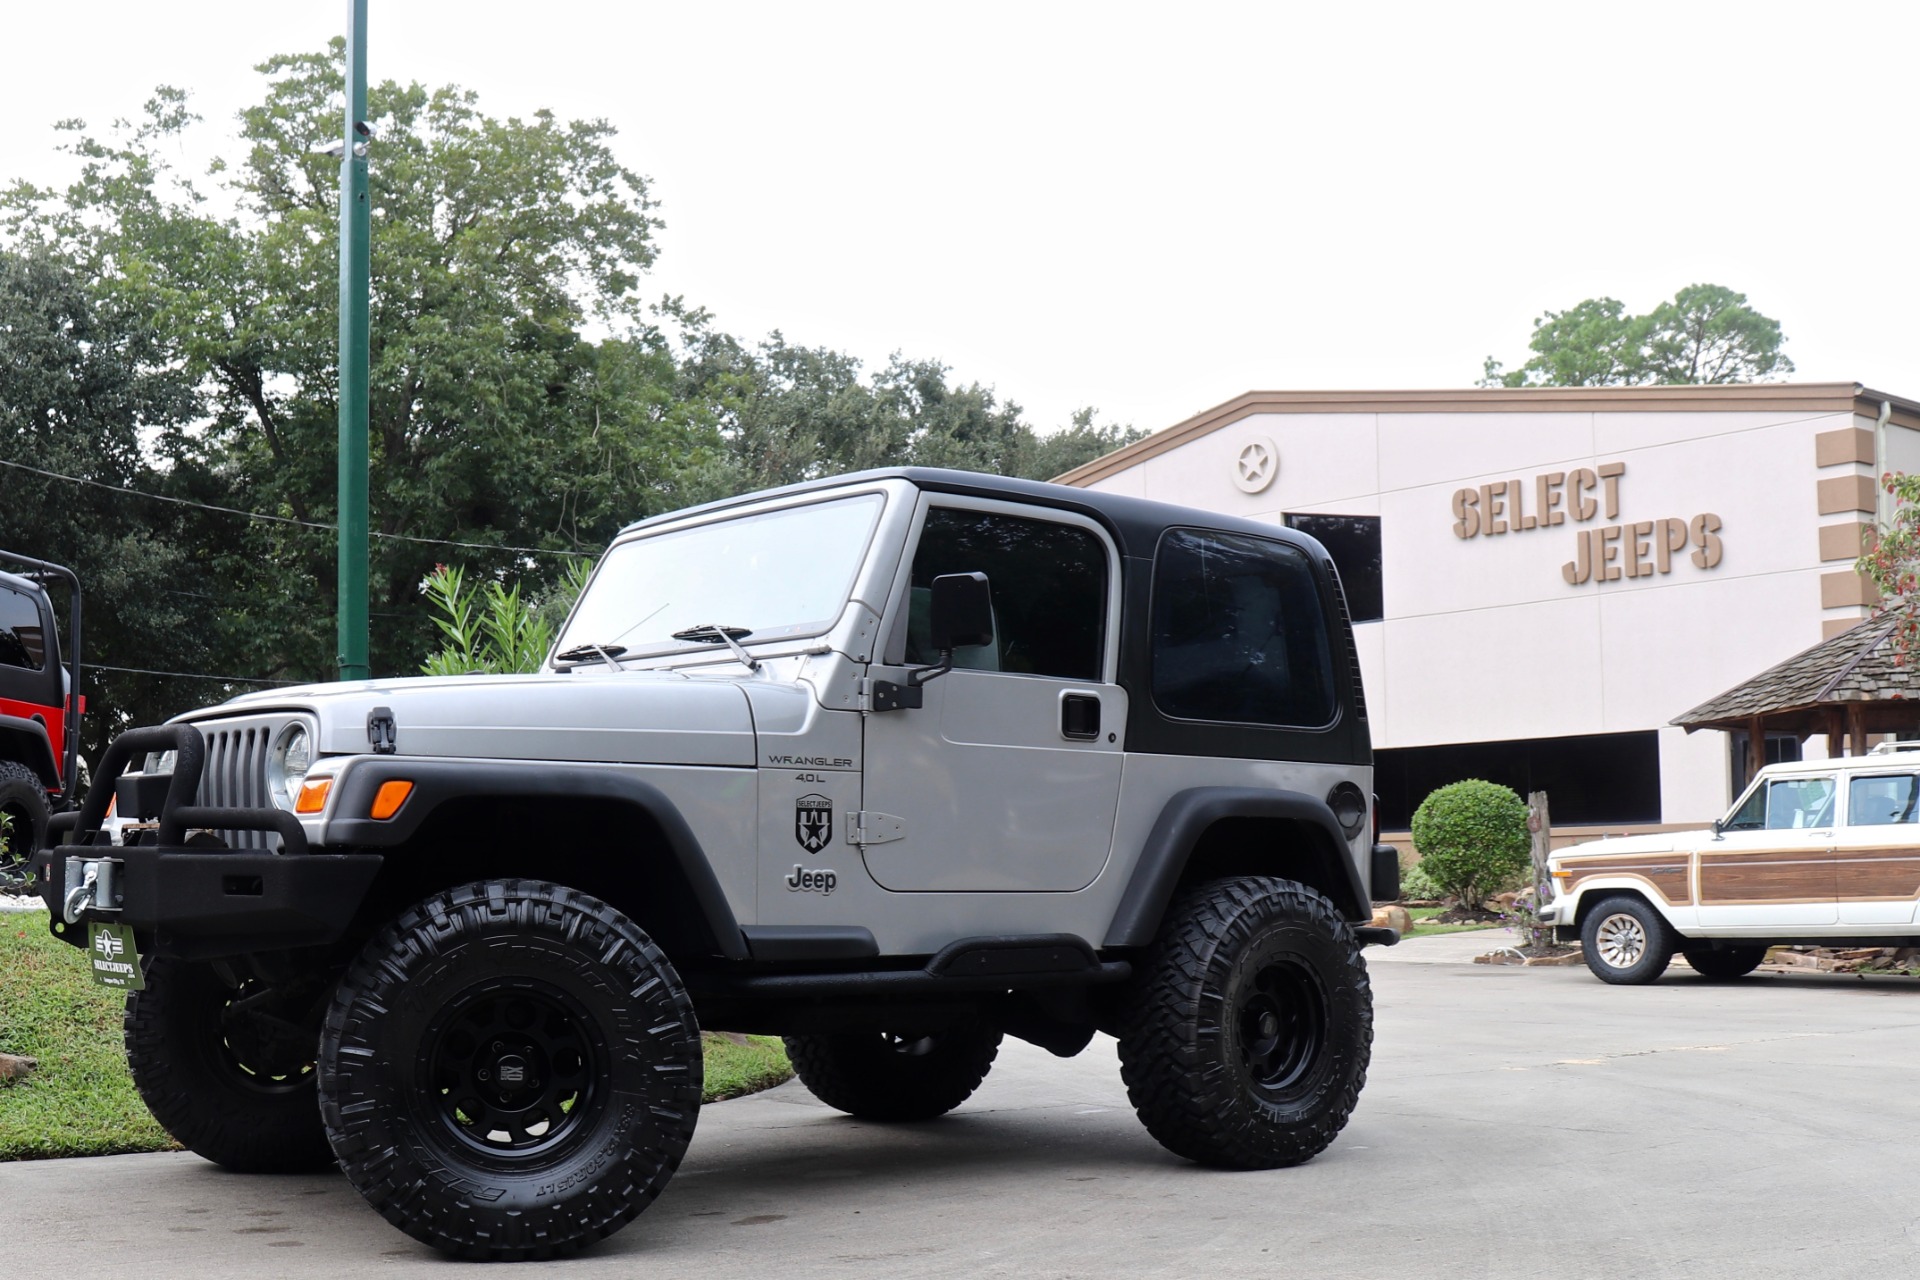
(236, 773)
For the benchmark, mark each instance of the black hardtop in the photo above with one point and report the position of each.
(1135, 523)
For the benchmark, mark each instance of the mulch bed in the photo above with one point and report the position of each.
(1460, 915)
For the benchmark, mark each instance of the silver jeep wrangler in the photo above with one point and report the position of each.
(892, 765)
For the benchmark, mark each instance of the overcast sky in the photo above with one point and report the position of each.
(1153, 209)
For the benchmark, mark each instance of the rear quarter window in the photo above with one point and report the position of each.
(22, 639)
(1239, 635)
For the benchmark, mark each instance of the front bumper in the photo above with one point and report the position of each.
(201, 903)
(1558, 916)
(185, 899)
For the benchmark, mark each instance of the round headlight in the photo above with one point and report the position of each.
(288, 763)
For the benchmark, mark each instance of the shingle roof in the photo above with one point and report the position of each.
(1859, 665)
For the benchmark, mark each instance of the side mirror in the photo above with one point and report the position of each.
(960, 615)
(1717, 827)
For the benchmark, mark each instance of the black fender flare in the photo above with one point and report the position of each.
(1182, 822)
(437, 783)
(27, 741)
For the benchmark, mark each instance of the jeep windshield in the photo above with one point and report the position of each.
(772, 575)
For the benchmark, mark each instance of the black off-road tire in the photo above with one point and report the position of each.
(23, 799)
(235, 1088)
(510, 1070)
(1625, 941)
(895, 1076)
(1725, 963)
(1252, 1026)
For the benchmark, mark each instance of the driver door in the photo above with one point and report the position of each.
(1007, 778)
(1773, 863)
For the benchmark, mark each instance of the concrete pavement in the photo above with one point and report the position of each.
(1517, 1122)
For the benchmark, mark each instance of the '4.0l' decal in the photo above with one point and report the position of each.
(813, 822)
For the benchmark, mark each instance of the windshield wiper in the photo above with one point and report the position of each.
(714, 633)
(587, 652)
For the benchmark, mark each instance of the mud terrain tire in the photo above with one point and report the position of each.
(895, 1076)
(23, 799)
(234, 1087)
(510, 1070)
(1251, 1027)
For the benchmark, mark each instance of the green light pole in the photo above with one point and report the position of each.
(356, 229)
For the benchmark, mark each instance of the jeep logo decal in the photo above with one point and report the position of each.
(813, 822)
(802, 880)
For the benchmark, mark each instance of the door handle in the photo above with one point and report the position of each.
(1080, 716)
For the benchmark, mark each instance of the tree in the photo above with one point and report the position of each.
(1892, 562)
(494, 419)
(1705, 334)
(790, 413)
(80, 380)
(1708, 334)
(1076, 444)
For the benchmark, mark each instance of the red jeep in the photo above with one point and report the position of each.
(39, 740)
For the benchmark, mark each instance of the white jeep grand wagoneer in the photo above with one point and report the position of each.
(1816, 851)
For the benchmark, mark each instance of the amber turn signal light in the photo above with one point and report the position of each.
(313, 795)
(387, 800)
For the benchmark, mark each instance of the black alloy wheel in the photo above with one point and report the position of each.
(1283, 1026)
(511, 1068)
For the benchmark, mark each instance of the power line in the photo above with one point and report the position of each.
(186, 675)
(304, 524)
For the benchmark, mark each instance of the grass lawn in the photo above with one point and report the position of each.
(81, 1101)
(1423, 930)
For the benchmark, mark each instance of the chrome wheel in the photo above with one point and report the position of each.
(1622, 940)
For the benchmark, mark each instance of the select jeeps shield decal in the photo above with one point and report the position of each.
(813, 822)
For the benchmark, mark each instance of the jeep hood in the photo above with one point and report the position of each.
(636, 717)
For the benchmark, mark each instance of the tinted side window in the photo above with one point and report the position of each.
(1049, 587)
(22, 641)
(1238, 633)
(1880, 802)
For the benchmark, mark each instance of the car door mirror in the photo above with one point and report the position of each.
(960, 614)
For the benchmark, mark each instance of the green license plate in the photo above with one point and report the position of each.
(116, 962)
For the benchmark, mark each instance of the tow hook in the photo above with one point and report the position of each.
(94, 890)
(81, 897)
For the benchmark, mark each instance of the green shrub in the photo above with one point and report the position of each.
(490, 629)
(1417, 885)
(1472, 837)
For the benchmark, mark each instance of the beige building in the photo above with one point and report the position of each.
(1542, 579)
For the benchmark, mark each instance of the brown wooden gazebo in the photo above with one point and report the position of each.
(1847, 687)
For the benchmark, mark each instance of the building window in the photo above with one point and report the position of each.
(1782, 748)
(1354, 544)
(1591, 780)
